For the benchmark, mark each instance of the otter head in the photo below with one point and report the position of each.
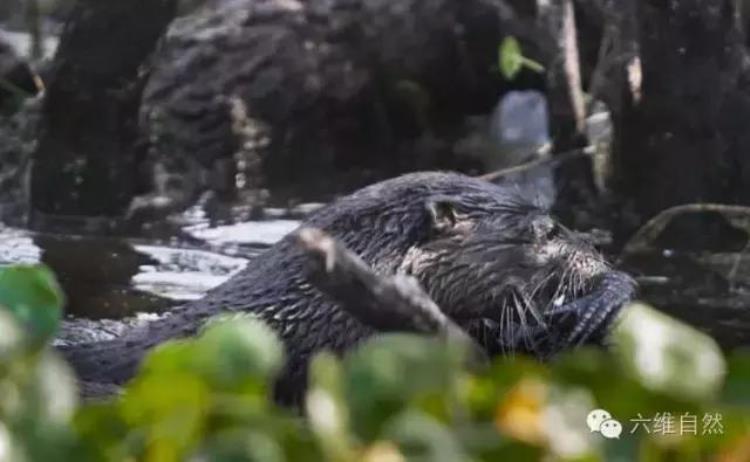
(488, 255)
(512, 275)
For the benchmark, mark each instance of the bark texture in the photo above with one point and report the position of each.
(86, 161)
(315, 88)
(682, 136)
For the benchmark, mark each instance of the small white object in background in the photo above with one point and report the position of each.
(516, 132)
(519, 126)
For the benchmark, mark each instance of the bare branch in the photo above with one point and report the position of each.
(386, 303)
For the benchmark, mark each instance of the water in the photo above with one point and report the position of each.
(694, 265)
(109, 277)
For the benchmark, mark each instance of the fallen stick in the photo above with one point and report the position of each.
(385, 303)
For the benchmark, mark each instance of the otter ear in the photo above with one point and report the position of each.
(442, 214)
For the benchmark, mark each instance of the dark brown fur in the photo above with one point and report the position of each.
(491, 259)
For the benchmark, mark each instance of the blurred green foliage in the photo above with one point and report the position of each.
(397, 398)
(511, 61)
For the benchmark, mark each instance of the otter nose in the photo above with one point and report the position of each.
(544, 227)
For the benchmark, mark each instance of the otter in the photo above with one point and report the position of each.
(490, 257)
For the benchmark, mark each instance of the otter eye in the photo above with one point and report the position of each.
(443, 215)
(544, 227)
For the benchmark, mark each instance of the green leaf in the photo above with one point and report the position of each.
(615, 390)
(510, 58)
(233, 350)
(232, 354)
(326, 411)
(54, 389)
(668, 356)
(32, 295)
(421, 437)
(243, 446)
(171, 411)
(326, 373)
(11, 337)
(174, 356)
(100, 428)
(394, 371)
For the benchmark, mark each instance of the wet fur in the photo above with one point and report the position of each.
(489, 257)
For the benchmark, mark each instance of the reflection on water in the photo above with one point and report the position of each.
(183, 274)
(107, 277)
(17, 248)
(254, 232)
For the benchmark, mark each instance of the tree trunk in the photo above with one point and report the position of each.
(350, 91)
(86, 160)
(683, 137)
(567, 110)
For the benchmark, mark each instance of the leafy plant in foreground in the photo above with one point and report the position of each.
(398, 397)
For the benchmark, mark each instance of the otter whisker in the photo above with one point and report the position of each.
(513, 331)
(519, 309)
(505, 327)
(525, 334)
(568, 289)
(541, 284)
